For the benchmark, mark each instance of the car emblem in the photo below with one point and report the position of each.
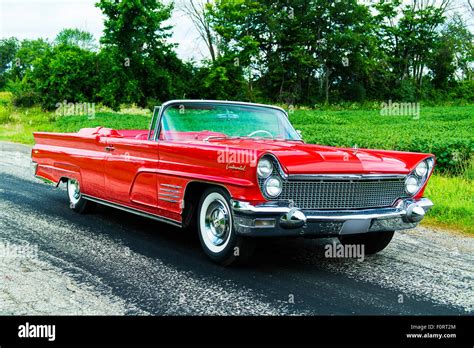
(236, 167)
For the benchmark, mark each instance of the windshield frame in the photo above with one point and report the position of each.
(170, 103)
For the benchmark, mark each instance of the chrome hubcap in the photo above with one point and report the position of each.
(217, 225)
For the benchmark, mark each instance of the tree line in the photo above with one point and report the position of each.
(296, 52)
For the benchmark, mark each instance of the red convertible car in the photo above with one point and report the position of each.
(237, 171)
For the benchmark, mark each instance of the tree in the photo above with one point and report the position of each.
(293, 50)
(461, 40)
(409, 34)
(198, 12)
(29, 51)
(64, 73)
(8, 50)
(76, 37)
(144, 66)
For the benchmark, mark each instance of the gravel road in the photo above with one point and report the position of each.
(54, 261)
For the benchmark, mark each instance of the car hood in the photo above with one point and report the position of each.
(300, 158)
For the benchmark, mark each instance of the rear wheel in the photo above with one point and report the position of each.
(216, 229)
(373, 242)
(76, 201)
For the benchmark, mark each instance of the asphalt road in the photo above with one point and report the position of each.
(112, 262)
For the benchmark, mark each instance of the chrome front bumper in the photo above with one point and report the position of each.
(282, 219)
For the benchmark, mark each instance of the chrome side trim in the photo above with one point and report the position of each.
(133, 210)
(172, 186)
(168, 190)
(168, 200)
(345, 176)
(168, 195)
(47, 181)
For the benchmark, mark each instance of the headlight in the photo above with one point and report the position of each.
(421, 169)
(273, 186)
(264, 168)
(411, 185)
(430, 162)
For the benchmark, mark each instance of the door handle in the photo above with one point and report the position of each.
(109, 148)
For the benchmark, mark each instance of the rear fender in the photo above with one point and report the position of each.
(58, 172)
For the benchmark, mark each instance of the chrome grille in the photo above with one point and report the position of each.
(343, 194)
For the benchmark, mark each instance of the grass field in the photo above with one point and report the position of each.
(454, 202)
(445, 131)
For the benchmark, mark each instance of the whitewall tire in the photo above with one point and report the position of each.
(216, 229)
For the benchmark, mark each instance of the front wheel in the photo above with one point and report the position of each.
(216, 229)
(373, 242)
(76, 201)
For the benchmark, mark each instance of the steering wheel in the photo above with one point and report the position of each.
(260, 131)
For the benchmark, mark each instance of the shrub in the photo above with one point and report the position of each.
(4, 114)
(463, 91)
(406, 91)
(65, 73)
(22, 93)
(5, 98)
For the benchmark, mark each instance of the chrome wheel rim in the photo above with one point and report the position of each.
(74, 191)
(215, 222)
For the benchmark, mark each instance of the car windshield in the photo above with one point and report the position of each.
(206, 121)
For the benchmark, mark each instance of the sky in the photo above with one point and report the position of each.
(31, 19)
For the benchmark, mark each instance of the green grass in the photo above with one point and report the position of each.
(454, 203)
(436, 128)
(21, 132)
(368, 127)
(18, 124)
